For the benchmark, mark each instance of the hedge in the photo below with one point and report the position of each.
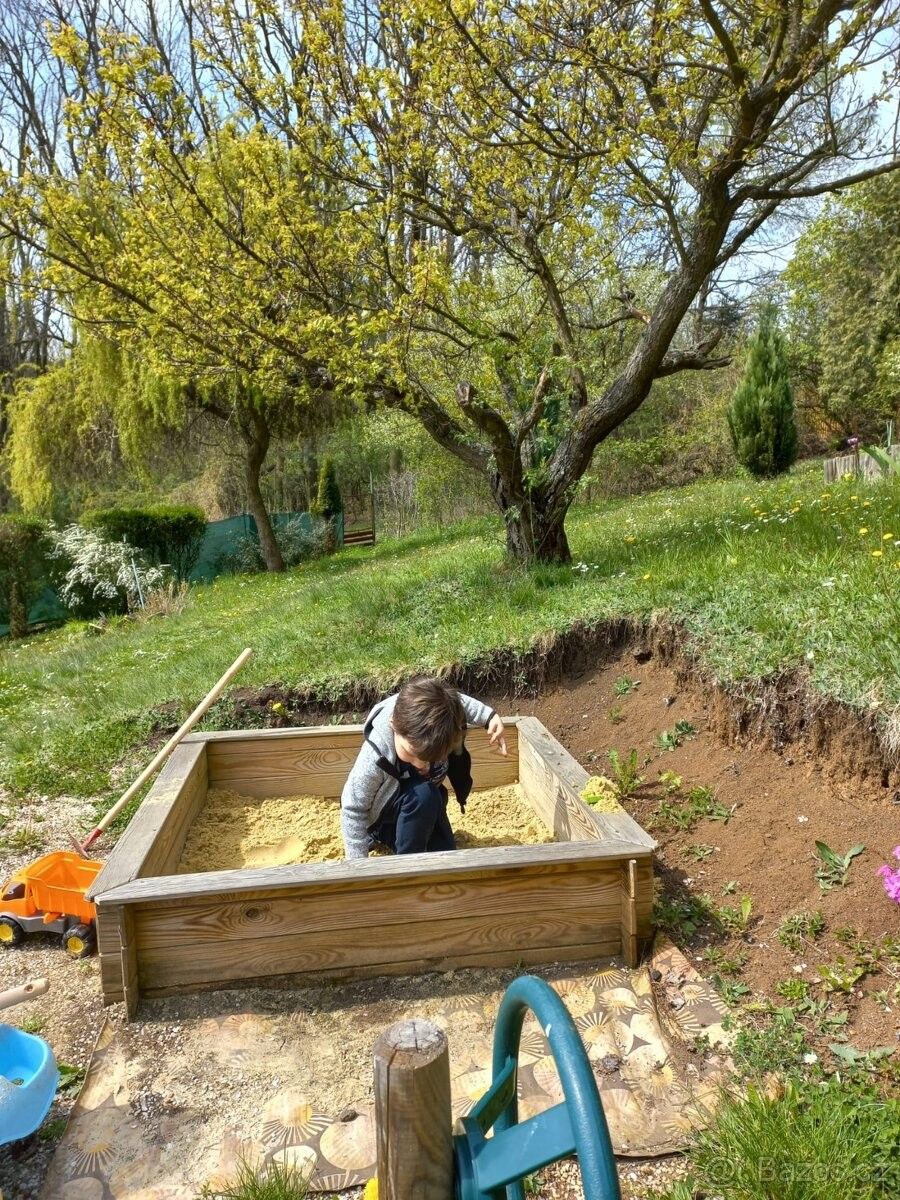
(165, 533)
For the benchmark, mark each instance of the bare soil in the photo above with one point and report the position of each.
(783, 803)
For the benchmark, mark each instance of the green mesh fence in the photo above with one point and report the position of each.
(218, 551)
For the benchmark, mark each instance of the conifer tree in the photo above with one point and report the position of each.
(761, 415)
(329, 501)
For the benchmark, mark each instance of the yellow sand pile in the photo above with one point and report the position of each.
(232, 830)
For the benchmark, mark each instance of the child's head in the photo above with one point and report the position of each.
(430, 720)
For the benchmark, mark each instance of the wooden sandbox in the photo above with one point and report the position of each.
(587, 894)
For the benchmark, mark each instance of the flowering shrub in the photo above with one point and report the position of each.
(298, 540)
(101, 575)
(891, 878)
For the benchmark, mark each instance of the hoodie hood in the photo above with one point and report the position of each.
(378, 731)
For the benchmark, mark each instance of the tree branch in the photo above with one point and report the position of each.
(831, 185)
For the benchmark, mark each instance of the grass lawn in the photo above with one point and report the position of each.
(763, 575)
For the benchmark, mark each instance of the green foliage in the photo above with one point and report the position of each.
(835, 867)
(671, 739)
(70, 1077)
(813, 1142)
(699, 851)
(683, 914)
(889, 463)
(304, 297)
(274, 1181)
(841, 975)
(731, 990)
(677, 812)
(677, 436)
(624, 685)
(778, 1045)
(736, 920)
(626, 775)
(23, 568)
(730, 962)
(166, 533)
(799, 927)
(761, 415)
(793, 989)
(844, 308)
(298, 539)
(328, 501)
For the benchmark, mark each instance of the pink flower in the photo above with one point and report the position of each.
(891, 878)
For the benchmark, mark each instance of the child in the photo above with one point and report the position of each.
(395, 793)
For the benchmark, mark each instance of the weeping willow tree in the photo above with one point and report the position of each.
(100, 407)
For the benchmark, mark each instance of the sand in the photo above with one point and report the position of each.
(232, 830)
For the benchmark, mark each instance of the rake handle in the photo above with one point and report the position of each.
(205, 704)
(25, 991)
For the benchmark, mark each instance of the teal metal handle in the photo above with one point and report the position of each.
(493, 1169)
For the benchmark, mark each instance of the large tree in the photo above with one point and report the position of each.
(505, 219)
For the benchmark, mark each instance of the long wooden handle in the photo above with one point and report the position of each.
(206, 703)
(26, 991)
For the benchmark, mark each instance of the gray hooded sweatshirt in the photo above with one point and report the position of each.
(369, 789)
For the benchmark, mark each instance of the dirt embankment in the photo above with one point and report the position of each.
(785, 713)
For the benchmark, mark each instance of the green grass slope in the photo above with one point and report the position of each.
(763, 575)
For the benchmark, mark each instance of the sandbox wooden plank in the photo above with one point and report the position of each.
(599, 953)
(446, 865)
(489, 939)
(552, 781)
(152, 843)
(368, 907)
(279, 762)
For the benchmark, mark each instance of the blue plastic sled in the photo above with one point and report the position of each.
(28, 1082)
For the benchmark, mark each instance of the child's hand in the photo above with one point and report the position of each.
(495, 733)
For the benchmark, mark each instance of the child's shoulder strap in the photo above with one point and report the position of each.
(384, 764)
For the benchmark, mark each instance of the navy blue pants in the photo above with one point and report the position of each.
(416, 820)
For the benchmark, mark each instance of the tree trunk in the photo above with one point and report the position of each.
(18, 613)
(533, 536)
(535, 532)
(256, 439)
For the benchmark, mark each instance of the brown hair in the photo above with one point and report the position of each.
(430, 715)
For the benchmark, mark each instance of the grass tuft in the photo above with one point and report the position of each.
(810, 1142)
(276, 1181)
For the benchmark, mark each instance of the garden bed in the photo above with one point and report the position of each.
(588, 894)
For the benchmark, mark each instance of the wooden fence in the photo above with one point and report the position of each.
(852, 464)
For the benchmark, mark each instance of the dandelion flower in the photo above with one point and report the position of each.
(886, 537)
(863, 530)
(646, 577)
(877, 553)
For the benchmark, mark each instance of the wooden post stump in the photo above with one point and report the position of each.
(413, 1118)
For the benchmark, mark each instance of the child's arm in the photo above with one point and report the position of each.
(363, 782)
(486, 718)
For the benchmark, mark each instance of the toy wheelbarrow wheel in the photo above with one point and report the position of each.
(11, 932)
(80, 941)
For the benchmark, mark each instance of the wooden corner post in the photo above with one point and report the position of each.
(413, 1118)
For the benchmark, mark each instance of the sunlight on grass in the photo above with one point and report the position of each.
(763, 576)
